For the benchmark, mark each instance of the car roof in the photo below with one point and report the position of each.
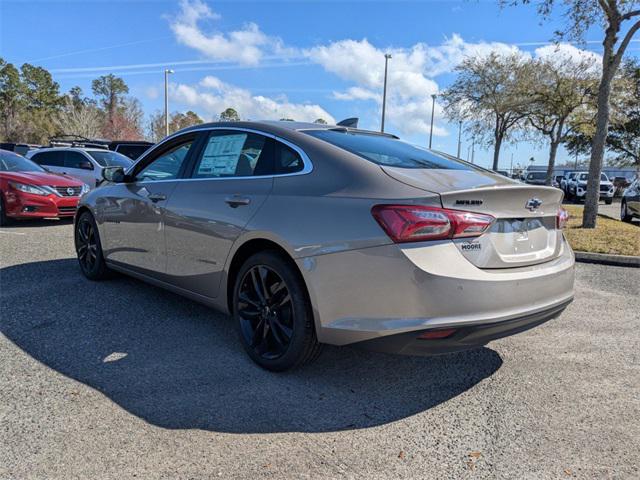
(84, 149)
(279, 126)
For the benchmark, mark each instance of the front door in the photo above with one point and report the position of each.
(133, 213)
(230, 180)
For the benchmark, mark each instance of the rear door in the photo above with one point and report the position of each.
(231, 177)
(80, 167)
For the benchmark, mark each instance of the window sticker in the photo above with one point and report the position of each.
(220, 158)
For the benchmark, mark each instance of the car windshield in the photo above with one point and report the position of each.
(107, 158)
(12, 162)
(387, 151)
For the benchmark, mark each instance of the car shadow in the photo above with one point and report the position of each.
(178, 364)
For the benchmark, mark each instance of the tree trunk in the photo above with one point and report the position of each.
(496, 151)
(552, 160)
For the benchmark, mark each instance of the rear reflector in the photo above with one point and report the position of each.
(436, 334)
(414, 223)
(562, 218)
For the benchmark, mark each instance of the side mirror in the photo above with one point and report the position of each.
(86, 165)
(113, 174)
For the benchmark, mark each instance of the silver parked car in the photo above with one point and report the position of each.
(310, 234)
(85, 164)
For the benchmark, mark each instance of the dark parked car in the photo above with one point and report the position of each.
(131, 149)
(630, 203)
(536, 178)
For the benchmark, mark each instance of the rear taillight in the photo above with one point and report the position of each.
(562, 218)
(415, 223)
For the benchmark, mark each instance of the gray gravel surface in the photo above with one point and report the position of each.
(119, 379)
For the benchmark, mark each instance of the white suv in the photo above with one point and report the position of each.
(578, 188)
(85, 164)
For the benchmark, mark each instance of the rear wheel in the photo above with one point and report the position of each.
(608, 201)
(89, 248)
(624, 212)
(273, 313)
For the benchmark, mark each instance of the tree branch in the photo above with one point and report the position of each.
(629, 15)
(625, 42)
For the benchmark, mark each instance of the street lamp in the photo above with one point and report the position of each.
(166, 101)
(459, 137)
(433, 107)
(387, 56)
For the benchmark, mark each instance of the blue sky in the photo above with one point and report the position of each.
(300, 59)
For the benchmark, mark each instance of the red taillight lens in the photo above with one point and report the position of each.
(414, 223)
(562, 218)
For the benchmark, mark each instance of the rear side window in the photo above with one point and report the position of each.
(50, 159)
(234, 154)
(287, 160)
(387, 151)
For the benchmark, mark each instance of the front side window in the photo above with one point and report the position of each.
(167, 166)
(233, 154)
(387, 151)
(76, 160)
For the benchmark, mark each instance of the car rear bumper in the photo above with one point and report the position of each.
(39, 206)
(463, 338)
(383, 291)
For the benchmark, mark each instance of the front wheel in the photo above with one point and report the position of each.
(624, 212)
(273, 314)
(89, 248)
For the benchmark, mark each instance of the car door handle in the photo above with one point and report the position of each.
(156, 197)
(236, 200)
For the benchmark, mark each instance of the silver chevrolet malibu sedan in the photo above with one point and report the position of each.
(310, 234)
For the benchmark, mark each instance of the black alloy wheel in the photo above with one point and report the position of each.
(89, 249)
(266, 312)
(273, 313)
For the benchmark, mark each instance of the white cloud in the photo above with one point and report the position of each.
(246, 46)
(212, 96)
(567, 54)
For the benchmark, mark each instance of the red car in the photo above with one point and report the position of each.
(29, 191)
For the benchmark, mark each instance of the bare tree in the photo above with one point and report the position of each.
(488, 95)
(561, 89)
(79, 118)
(582, 15)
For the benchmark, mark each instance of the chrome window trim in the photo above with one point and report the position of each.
(306, 169)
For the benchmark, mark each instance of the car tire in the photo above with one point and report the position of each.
(4, 220)
(624, 212)
(608, 201)
(272, 312)
(89, 248)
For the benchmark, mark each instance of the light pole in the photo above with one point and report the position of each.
(433, 107)
(459, 137)
(387, 56)
(166, 101)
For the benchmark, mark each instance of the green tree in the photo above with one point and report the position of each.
(582, 16)
(487, 94)
(177, 121)
(229, 115)
(11, 101)
(41, 103)
(111, 91)
(320, 121)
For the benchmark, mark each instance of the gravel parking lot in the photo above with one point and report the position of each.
(120, 379)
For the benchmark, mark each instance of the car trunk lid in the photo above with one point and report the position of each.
(525, 230)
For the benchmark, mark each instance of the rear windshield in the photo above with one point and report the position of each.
(110, 159)
(387, 151)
